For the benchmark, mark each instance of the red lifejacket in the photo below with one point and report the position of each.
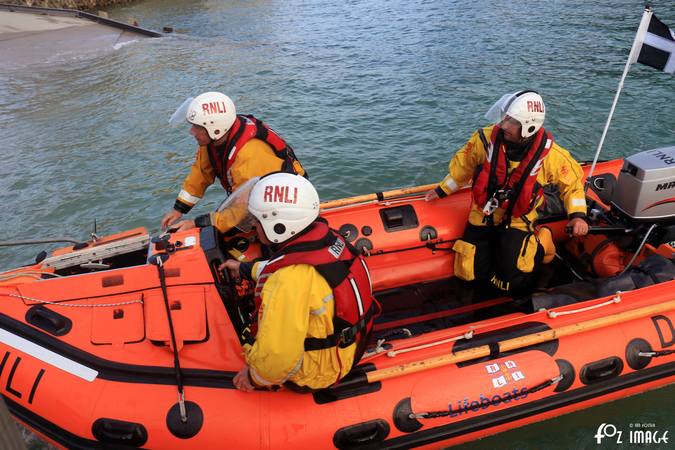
(243, 130)
(346, 272)
(519, 191)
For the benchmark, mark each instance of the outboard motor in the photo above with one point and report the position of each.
(645, 191)
(642, 211)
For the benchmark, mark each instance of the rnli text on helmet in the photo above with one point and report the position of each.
(215, 108)
(280, 194)
(533, 106)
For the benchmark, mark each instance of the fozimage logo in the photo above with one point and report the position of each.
(639, 433)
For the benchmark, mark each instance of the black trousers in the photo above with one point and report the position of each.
(507, 258)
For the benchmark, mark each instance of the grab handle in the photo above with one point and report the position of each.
(48, 320)
(366, 433)
(119, 432)
(601, 370)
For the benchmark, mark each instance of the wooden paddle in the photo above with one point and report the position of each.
(378, 196)
(519, 342)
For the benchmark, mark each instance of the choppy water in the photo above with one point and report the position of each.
(373, 95)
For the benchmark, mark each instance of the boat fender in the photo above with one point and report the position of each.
(403, 419)
(367, 434)
(113, 431)
(601, 370)
(48, 320)
(568, 375)
(633, 358)
(189, 428)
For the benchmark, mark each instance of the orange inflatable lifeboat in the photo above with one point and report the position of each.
(97, 340)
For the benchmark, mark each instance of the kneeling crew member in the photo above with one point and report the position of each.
(232, 148)
(509, 163)
(314, 299)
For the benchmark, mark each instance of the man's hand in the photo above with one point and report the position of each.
(578, 226)
(184, 225)
(431, 195)
(232, 266)
(170, 218)
(242, 382)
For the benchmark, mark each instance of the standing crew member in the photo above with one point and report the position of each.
(509, 163)
(233, 148)
(315, 306)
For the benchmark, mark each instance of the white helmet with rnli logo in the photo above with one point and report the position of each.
(526, 107)
(284, 204)
(213, 111)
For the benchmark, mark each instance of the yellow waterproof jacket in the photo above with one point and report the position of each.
(559, 168)
(297, 303)
(255, 158)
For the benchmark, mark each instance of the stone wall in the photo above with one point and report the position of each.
(83, 5)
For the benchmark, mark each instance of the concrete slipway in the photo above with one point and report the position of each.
(34, 35)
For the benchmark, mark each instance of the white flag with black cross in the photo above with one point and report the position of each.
(655, 44)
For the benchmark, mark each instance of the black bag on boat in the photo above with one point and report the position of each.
(563, 295)
(654, 269)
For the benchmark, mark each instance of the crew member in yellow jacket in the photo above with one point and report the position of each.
(508, 164)
(232, 148)
(296, 339)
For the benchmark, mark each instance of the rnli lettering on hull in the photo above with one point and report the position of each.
(47, 356)
(10, 378)
(665, 330)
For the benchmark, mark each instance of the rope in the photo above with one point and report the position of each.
(467, 335)
(176, 359)
(616, 299)
(430, 245)
(379, 346)
(436, 414)
(74, 305)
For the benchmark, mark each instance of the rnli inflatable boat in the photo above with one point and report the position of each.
(132, 341)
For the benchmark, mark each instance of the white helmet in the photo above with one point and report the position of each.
(527, 107)
(213, 111)
(284, 204)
